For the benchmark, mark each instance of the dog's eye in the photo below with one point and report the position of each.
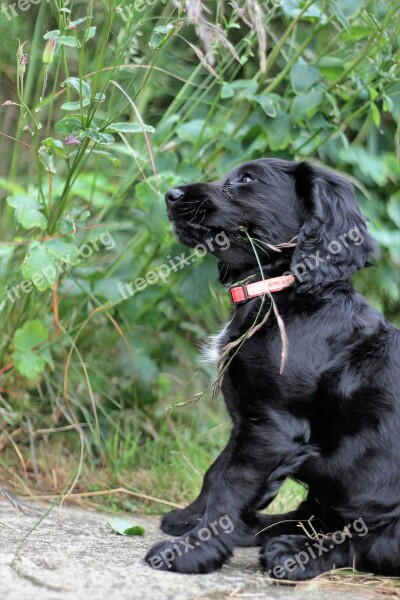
(246, 178)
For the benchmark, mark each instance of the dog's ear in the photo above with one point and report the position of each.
(333, 242)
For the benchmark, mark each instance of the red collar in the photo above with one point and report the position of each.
(242, 293)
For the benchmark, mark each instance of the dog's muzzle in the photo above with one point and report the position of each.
(173, 196)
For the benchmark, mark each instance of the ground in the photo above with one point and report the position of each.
(72, 553)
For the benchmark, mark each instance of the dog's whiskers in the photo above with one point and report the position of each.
(197, 211)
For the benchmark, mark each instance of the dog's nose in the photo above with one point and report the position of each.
(173, 195)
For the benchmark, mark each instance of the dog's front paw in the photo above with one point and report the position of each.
(179, 521)
(188, 555)
(285, 557)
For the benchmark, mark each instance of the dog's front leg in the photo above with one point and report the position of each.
(180, 521)
(254, 471)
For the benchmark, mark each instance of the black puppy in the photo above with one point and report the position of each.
(330, 415)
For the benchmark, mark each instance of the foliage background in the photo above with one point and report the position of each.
(157, 94)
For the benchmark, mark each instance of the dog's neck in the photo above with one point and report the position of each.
(287, 299)
(229, 275)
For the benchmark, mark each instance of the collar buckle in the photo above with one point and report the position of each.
(241, 289)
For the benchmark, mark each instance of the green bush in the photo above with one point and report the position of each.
(106, 105)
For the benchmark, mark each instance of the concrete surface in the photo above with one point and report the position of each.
(72, 554)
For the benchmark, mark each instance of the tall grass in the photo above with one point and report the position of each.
(106, 107)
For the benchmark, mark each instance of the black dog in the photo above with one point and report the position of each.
(330, 417)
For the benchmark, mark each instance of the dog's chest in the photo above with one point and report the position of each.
(214, 345)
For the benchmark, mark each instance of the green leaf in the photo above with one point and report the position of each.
(187, 172)
(53, 146)
(92, 134)
(393, 209)
(373, 93)
(226, 91)
(32, 218)
(31, 334)
(144, 195)
(134, 530)
(106, 139)
(192, 130)
(303, 105)
(331, 67)
(159, 35)
(268, 103)
(91, 32)
(97, 136)
(39, 267)
(371, 165)
(303, 76)
(68, 125)
(52, 35)
(28, 363)
(244, 88)
(168, 161)
(278, 131)
(293, 8)
(376, 116)
(61, 250)
(75, 105)
(387, 104)
(74, 83)
(357, 32)
(345, 10)
(68, 40)
(124, 527)
(393, 93)
(390, 239)
(318, 123)
(79, 21)
(349, 8)
(128, 128)
(166, 125)
(341, 17)
(393, 165)
(27, 211)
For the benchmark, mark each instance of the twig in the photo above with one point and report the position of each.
(55, 308)
(121, 490)
(6, 437)
(60, 235)
(7, 368)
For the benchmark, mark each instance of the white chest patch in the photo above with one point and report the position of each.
(213, 346)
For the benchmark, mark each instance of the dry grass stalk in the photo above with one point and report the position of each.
(252, 15)
(207, 33)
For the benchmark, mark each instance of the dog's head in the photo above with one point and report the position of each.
(274, 202)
